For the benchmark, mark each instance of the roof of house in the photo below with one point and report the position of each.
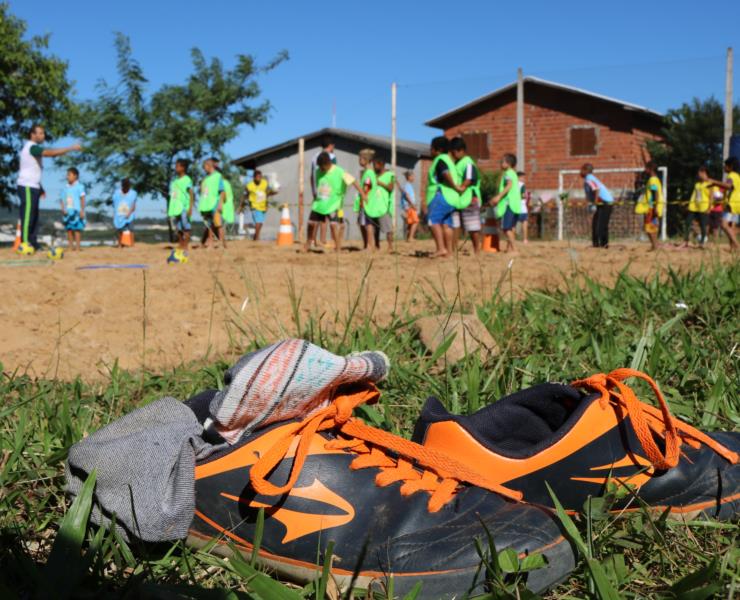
(435, 122)
(374, 141)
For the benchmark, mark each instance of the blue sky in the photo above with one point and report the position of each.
(442, 54)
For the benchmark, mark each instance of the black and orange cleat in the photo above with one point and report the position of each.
(391, 507)
(589, 437)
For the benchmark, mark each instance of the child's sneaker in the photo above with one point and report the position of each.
(580, 438)
(390, 507)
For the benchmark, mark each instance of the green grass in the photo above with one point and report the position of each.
(694, 353)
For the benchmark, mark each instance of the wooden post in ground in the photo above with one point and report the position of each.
(393, 155)
(728, 106)
(301, 177)
(520, 119)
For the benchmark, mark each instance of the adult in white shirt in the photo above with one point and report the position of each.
(29, 180)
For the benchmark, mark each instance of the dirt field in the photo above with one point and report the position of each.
(58, 321)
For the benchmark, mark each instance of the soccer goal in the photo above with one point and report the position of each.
(622, 182)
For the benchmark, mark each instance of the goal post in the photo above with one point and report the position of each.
(616, 171)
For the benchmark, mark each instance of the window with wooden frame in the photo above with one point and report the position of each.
(583, 141)
(477, 144)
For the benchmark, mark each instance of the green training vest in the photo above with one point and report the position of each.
(330, 190)
(388, 177)
(179, 196)
(514, 198)
(208, 198)
(450, 194)
(366, 174)
(228, 209)
(379, 199)
(472, 191)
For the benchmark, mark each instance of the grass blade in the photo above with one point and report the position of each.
(64, 567)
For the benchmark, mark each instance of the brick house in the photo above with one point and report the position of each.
(564, 127)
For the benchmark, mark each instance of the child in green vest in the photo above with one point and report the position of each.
(368, 182)
(379, 207)
(442, 197)
(180, 206)
(469, 214)
(210, 203)
(331, 186)
(508, 201)
(228, 211)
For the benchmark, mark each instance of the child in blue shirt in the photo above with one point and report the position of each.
(599, 196)
(124, 206)
(73, 208)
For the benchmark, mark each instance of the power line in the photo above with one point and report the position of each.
(501, 75)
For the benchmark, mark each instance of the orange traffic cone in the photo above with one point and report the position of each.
(490, 232)
(127, 238)
(285, 232)
(18, 237)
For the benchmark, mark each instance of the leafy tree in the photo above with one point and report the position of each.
(489, 181)
(33, 88)
(128, 132)
(692, 136)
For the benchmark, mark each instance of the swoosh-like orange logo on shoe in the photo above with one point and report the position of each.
(637, 479)
(297, 524)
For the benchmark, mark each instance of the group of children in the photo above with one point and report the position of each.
(452, 201)
(373, 203)
(453, 198)
(72, 203)
(713, 204)
(215, 205)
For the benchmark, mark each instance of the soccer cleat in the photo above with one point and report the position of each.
(389, 507)
(588, 438)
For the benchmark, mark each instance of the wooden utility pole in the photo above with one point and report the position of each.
(393, 154)
(301, 177)
(520, 118)
(728, 106)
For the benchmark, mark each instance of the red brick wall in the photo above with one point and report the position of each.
(548, 116)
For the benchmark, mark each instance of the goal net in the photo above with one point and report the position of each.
(625, 184)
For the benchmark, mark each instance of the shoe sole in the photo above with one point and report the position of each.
(727, 510)
(447, 585)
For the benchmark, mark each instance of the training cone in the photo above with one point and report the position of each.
(490, 233)
(127, 238)
(285, 232)
(18, 237)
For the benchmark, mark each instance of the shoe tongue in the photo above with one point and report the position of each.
(288, 380)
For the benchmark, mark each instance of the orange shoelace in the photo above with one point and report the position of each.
(417, 467)
(643, 417)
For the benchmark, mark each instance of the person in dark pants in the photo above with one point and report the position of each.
(29, 182)
(598, 195)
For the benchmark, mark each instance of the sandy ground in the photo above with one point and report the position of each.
(58, 321)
